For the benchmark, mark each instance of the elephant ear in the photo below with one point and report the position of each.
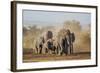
(49, 35)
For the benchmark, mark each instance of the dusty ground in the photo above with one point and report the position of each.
(47, 57)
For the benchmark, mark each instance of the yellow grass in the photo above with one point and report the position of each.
(82, 36)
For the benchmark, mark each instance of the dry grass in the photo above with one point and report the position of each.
(82, 37)
(47, 57)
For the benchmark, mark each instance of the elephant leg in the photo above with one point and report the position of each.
(51, 51)
(40, 51)
(54, 50)
(61, 53)
(66, 51)
(57, 51)
(46, 50)
(43, 50)
(36, 49)
(72, 49)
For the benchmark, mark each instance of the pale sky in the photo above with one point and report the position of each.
(45, 18)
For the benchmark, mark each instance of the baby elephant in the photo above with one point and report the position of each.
(48, 47)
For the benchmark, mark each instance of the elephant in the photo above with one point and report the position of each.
(70, 40)
(44, 43)
(56, 46)
(65, 42)
(63, 46)
(39, 45)
(51, 46)
(48, 47)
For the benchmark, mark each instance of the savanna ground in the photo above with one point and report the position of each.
(82, 44)
(47, 57)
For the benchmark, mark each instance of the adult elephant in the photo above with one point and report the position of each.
(71, 41)
(44, 43)
(64, 42)
(39, 45)
(64, 46)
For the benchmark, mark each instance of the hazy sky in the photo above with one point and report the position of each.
(44, 18)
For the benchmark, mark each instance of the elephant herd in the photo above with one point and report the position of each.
(58, 46)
